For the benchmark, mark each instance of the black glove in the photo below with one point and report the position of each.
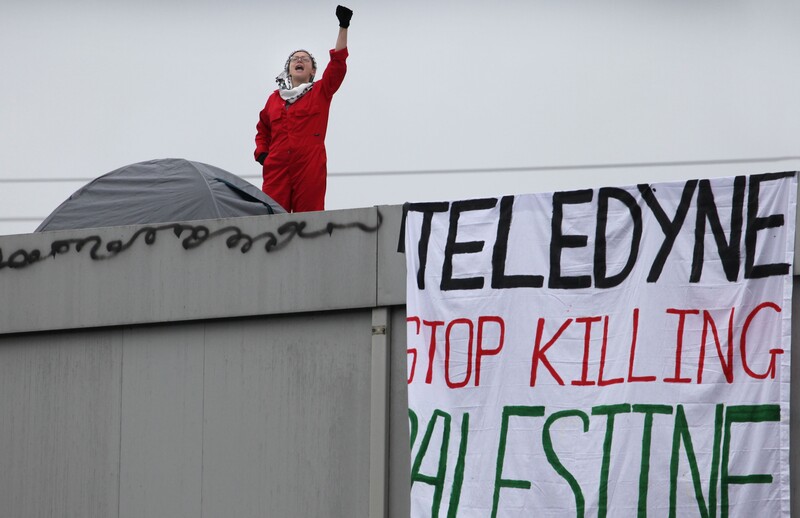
(343, 14)
(261, 158)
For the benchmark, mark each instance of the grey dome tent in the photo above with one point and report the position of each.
(159, 191)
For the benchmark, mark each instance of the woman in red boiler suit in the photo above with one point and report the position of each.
(290, 138)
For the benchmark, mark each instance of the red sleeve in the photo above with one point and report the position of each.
(263, 132)
(334, 73)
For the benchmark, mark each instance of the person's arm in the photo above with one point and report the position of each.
(337, 67)
(341, 40)
(263, 136)
(344, 15)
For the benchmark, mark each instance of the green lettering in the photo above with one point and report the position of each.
(413, 426)
(437, 481)
(681, 433)
(610, 411)
(647, 436)
(743, 414)
(580, 503)
(499, 481)
(458, 478)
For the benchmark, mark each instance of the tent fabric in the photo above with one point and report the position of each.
(160, 191)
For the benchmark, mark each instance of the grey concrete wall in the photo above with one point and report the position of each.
(215, 368)
(261, 416)
(60, 424)
(399, 452)
(206, 269)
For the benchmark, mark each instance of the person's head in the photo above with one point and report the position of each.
(301, 67)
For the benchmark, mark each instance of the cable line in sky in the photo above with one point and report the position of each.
(574, 167)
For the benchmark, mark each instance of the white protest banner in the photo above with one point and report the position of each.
(602, 352)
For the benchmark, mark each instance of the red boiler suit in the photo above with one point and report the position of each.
(293, 136)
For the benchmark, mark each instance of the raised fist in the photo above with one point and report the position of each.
(343, 14)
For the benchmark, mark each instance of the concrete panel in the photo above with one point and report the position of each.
(287, 416)
(162, 421)
(391, 263)
(399, 450)
(59, 424)
(213, 269)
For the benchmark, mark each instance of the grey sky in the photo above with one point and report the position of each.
(504, 92)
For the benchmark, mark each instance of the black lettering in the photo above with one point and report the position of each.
(499, 278)
(601, 280)
(452, 247)
(559, 241)
(427, 209)
(754, 224)
(670, 228)
(707, 211)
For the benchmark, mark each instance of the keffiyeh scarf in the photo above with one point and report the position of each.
(289, 93)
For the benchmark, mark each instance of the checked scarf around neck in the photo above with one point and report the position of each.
(288, 93)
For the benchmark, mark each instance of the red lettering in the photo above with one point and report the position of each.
(743, 344)
(470, 343)
(600, 381)
(432, 347)
(412, 351)
(480, 350)
(679, 343)
(587, 337)
(453, 356)
(448, 348)
(539, 352)
(726, 365)
(634, 337)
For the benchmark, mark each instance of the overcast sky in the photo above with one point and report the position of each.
(442, 100)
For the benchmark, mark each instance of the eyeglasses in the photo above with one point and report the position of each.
(302, 59)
